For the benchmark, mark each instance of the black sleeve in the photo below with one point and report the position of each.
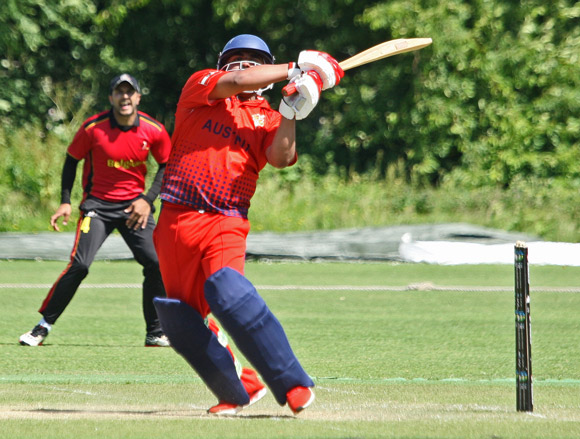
(155, 188)
(69, 173)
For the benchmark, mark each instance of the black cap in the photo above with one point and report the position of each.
(124, 77)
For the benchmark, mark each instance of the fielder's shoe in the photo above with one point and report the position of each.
(225, 408)
(156, 340)
(35, 337)
(299, 398)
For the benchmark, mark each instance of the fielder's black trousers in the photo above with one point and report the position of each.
(104, 219)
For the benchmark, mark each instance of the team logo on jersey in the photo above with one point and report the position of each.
(145, 146)
(259, 120)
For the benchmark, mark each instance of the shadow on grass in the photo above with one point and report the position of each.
(143, 413)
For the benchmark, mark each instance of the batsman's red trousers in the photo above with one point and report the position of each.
(192, 245)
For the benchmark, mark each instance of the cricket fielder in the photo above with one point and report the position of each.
(225, 133)
(115, 146)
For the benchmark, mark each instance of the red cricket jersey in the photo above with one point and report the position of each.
(219, 148)
(116, 157)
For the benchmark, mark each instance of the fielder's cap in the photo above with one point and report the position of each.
(124, 77)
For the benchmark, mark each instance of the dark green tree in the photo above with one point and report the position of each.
(496, 97)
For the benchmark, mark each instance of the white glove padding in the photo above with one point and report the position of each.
(301, 103)
(325, 65)
(286, 110)
(293, 70)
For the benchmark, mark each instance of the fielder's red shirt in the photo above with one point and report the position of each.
(219, 148)
(116, 157)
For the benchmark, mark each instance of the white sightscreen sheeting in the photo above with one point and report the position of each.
(432, 243)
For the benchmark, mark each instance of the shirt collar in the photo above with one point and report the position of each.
(257, 102)
(115, 124)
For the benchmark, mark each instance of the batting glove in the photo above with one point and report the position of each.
(300, 104)
(325, 65)
(293, 71)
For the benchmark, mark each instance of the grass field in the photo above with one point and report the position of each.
(392, 353)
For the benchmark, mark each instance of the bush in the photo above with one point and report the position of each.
(30, 169)
(545, 208)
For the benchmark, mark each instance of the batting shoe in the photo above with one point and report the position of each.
(156, 340)
(35, 337)
(299, 398)
(227, 409)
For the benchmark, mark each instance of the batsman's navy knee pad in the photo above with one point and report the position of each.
(195, 342)
(256, 331)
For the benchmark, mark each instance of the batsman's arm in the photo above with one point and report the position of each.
(282, 151)
(254, 78)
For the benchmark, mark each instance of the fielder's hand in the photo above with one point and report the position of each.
(300, 104)
(63, 210)
(138, 211)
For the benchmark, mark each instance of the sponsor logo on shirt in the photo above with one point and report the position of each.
(126, 164)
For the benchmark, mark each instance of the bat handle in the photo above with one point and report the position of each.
(289, 89)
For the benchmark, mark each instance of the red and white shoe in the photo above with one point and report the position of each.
(228, 409)
(299, 398)
(34, 337)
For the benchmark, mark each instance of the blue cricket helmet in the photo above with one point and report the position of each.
(245, 42)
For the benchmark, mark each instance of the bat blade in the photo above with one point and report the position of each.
(384, 50)
(375, 53)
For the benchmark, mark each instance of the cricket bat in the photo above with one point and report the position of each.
(375, 53)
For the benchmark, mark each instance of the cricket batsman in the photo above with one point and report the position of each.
(225, 134)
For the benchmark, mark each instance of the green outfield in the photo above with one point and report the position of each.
(396, 351)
